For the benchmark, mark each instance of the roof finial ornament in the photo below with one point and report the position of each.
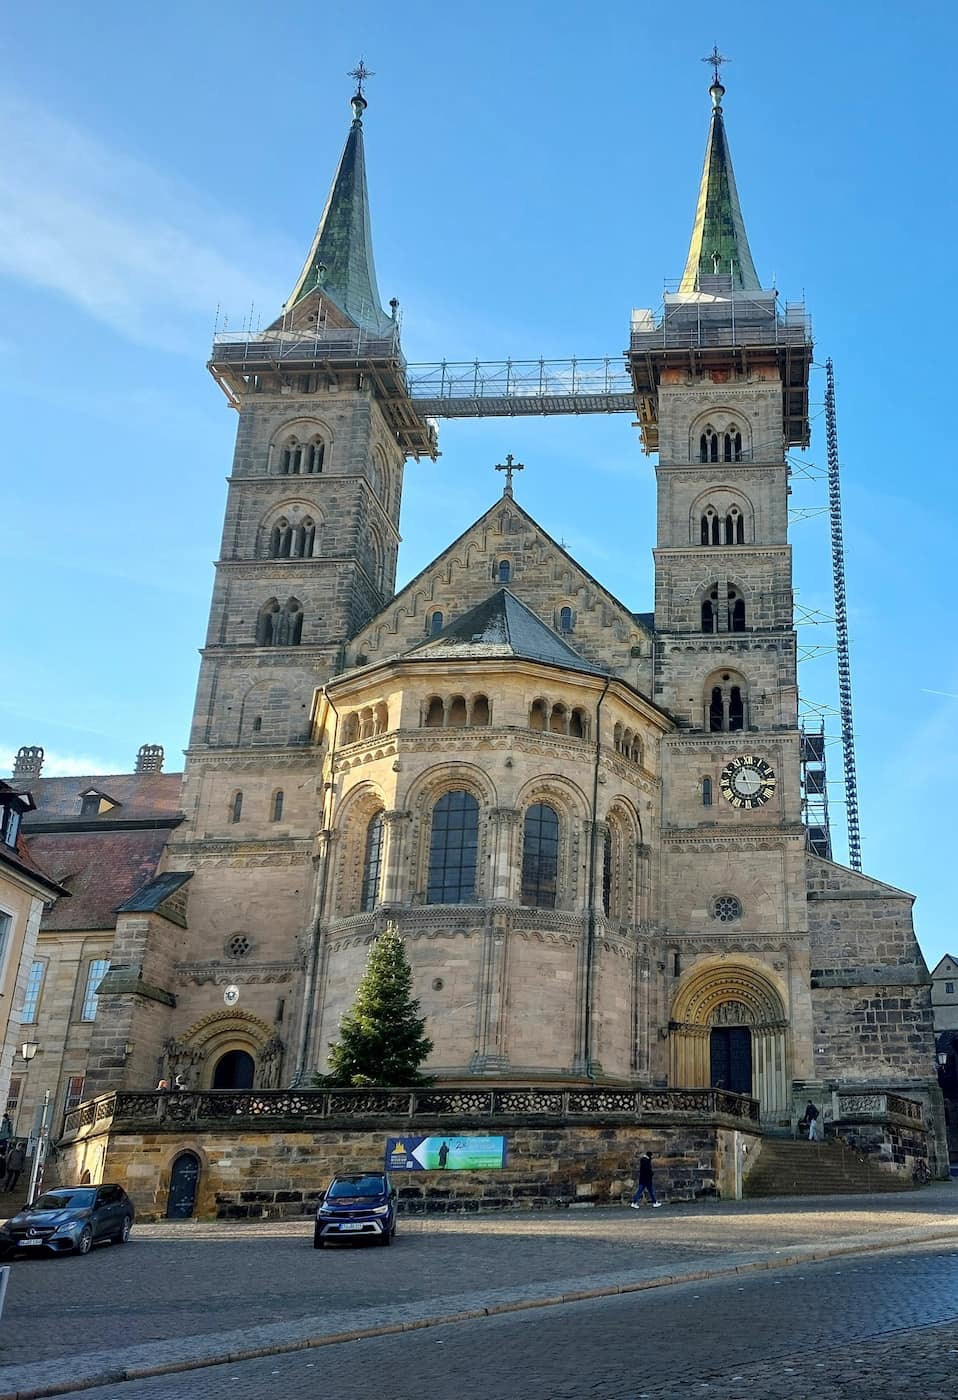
(509, 466)
(357, 101)
(716, 91)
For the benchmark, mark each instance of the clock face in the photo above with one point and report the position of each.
(747, 781)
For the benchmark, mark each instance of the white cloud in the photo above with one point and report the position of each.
(134, 248)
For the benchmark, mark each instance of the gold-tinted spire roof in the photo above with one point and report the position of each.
(719, 245)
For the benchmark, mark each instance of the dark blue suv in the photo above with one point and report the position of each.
(357, 1207)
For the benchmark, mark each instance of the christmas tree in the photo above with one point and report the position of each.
(382, 1039)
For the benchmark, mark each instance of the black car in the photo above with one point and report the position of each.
(355, 1207)
(69, 1220)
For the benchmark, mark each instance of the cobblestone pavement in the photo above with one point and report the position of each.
(880, 1325)
(180, 1293)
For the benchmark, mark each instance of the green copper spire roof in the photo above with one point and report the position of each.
(719, 244)
(340, 261)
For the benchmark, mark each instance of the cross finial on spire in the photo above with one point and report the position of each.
(360, 73)
(716, 60)
(509, 466)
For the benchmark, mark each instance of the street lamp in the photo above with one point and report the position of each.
(942, 1058)
(28, 1049)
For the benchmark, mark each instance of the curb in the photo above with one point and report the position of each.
(807, 1254)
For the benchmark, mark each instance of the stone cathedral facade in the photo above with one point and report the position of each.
(585, 820)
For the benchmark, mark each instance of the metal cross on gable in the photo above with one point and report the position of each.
(509, 466)
(716, 59)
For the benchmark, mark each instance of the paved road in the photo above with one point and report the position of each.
(174, 1281)
(855, 1328)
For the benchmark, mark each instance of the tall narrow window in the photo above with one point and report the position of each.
(708, 612)
(13, 1096)
(236, 807)
(266, 623)
(608, 849)
(95, 975)
(565, 619)
(372, 862)
(706, 792)
(74, 1093)
(503, 571)
(277, 811)
(540, 856)
(705, 530)
(6, 925)
(736, 612)
(31, 1000)
(736, 710)
(315, 451)
(716, 711)
(435, 624)
(453, 849)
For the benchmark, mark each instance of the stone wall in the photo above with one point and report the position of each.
(279, 1175)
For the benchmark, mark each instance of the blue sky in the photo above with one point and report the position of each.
(533, 171)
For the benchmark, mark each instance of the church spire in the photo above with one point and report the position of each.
(340, 261)
(719, 245)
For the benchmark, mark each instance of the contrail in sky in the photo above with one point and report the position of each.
(949, 694)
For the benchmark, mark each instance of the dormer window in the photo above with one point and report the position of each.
(94, 804)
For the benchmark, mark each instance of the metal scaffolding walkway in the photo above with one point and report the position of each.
(514, 388)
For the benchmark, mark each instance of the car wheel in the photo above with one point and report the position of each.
(85, 1240)
(125, 1229)
(386, 1238)
(318, 1240)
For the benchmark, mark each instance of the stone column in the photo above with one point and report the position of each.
(394, 889)
(506, 864)
(491, 1052)
(690, 1067)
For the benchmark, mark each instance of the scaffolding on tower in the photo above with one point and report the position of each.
(841, 623)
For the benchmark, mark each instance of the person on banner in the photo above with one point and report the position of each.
(443, 1154)
(645, 1186)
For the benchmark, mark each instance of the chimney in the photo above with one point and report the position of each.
(149, 759)
(28, 762)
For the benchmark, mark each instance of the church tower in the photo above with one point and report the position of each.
(722, 383)
(308, 555)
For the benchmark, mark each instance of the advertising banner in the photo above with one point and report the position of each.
(451, 1154)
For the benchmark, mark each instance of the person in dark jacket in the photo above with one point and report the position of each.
(813, 1122)
(645, 1183)
(16, 1158)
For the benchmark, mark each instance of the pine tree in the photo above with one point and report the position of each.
(382, 1038)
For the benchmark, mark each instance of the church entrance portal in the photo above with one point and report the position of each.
(184, 1180)
(730, 1049)
(234, 1070)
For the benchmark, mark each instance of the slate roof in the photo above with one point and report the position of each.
(340, 260)
(140, 797)
(100, 870)
(501, 627)
(151, 896)
(719, 242)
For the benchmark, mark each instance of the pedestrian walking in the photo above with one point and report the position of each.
(16, 1158)
(812, 1121)
(6, 1127)
(645, 1186)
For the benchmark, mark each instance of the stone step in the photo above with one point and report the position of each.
(790, 1168)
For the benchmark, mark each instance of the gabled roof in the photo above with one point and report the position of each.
(948, 964)
(719, 243)
(99, 869)
(138, 798)
(498, 628)
(340, 260)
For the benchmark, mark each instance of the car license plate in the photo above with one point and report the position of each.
(26, 1244)
(357, 1225)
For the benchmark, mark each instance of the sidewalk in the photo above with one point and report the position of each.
(536, 1261)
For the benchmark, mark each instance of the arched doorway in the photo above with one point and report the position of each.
(728, 1030)
(234, 1070)
(184, 1179)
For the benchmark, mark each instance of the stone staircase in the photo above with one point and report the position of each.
(798, 1168)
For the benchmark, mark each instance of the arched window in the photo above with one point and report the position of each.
(305, 539)
(608, 862)
(727, 705)
(236, 807)
(540, 856)
(453, 849)
(291, 457)
(381, 718)
(559, 720)
(709, 445)
(734, 526)
(479, 710)
(736, 611)
(257, 724)
(266, 623)
(578, 722)
(435, 624)
(706, 792)
(503, 571)
(457, 711)
(277, 812)
(565, 620)
(350, 728)
(729, 609)
(732, 444)
(288, 624)
(539, 715)
(280, 539)
(372, 862)
(435, 713)
(710, 612)
(313, 456)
